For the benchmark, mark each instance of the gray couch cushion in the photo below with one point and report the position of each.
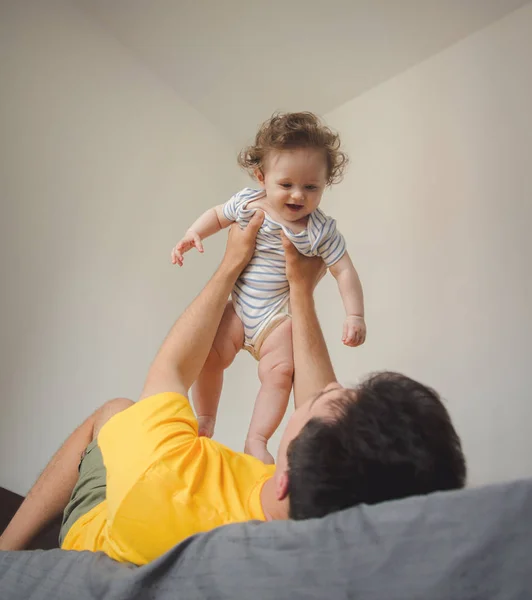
(474, 543)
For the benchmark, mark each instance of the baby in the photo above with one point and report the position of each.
(293, 160)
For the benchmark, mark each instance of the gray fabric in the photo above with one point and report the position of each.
(473, 544)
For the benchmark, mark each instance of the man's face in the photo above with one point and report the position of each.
(319, 406)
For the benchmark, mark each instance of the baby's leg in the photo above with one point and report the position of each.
(276, 371)
(207, 389)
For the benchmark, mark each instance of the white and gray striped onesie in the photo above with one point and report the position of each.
(261, 294)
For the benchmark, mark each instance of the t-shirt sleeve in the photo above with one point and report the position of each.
(232, 206)
(133, 440)
(331, 245)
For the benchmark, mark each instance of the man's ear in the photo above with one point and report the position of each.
(281, 486)
(259, 175)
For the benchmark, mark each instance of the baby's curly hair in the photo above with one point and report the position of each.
(288, 131)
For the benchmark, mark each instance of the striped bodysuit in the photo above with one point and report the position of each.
(261, 294)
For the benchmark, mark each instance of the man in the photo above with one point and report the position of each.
(147, 480)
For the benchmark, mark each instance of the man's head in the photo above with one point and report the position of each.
(389, 438)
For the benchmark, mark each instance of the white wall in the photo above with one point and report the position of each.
(437, 209)
(102, 168)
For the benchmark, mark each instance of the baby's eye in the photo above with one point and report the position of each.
(311, 188)
(286, 185)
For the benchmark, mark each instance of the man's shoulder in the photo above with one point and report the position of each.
(149, 412)
(241, 464)
(162, 402)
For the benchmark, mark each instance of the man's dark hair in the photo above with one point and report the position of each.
(389, 438)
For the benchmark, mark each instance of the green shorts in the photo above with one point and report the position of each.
(89, 489)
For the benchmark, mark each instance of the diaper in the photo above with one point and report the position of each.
(254, 344)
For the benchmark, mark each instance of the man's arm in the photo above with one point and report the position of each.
(312, 365)
(185, 349)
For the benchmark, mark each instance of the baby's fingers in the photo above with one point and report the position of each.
(344, 333)
(177, 256)
(174, 255)
(197, 243)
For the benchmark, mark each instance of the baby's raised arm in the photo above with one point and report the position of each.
(210, 222)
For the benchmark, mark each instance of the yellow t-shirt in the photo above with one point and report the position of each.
(164, 483)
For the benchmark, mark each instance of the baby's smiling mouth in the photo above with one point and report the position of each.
(294, 207)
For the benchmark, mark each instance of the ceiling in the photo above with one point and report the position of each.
(237, 61)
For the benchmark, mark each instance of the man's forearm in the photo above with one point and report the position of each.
(187, 346)
(185, 349)
(312, 365)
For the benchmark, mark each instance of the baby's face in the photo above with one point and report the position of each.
(294, 181)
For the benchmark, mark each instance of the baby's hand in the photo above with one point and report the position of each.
(191, 240)
(354, 333)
